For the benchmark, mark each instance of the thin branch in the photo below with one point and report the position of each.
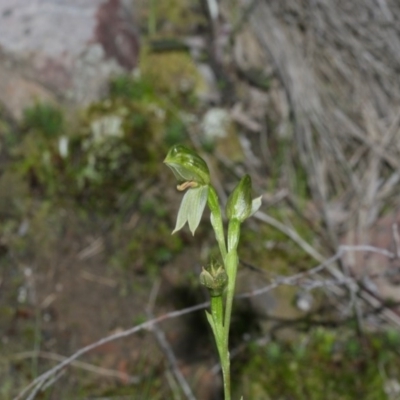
(78, 364)
(166, 348)
(169, 353)
(396, 238)
(292, 234)
(290, 280)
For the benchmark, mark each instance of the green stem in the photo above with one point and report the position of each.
(221, 321)
(226, 373)
(217, 313)
(231, 268)
(216, 220)
(233, 234)
(231, 265)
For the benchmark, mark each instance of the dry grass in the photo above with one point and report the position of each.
(338, 64)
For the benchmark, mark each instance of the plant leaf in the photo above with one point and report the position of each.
(211, 322)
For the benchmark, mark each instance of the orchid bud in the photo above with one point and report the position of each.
(187, 166)
(239, 202)
(215, 279)
(240, 205)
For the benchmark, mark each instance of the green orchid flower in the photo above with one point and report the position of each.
(187, 165)
(192, 208)
(193, 175)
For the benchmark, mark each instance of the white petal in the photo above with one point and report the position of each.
(183, 212)
(198, 200)
(255, 205)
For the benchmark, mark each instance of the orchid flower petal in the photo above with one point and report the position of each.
(198, 199)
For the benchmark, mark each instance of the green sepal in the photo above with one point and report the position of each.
(239, 203)
(215, 279)
(187, 165)
(191, 208)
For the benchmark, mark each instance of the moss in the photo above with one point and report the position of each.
(6, 138)
(272, 250)
(171, 16)
(14, 195)
(178, 79)
(175, 131)
(115, 145)
(128, 88)
(132, 128)
(322, 366)
(44, 118)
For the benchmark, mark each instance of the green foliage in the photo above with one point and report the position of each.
(45, 119)
(175, 131)
(126, 87)
(14, 196)
(283, 253)
(149, 246)
(114, 145)
(118, 147)
(323, 366)
(113, 148)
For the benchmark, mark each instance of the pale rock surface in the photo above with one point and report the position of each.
(379, 274)
(62, 50)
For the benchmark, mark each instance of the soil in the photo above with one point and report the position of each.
(71, 294)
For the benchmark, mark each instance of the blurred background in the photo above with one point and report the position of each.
(302, 95)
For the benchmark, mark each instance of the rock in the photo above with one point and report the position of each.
(62, 51)
(379, 274)
(219, 130)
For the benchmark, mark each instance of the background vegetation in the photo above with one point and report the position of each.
(86, 209)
